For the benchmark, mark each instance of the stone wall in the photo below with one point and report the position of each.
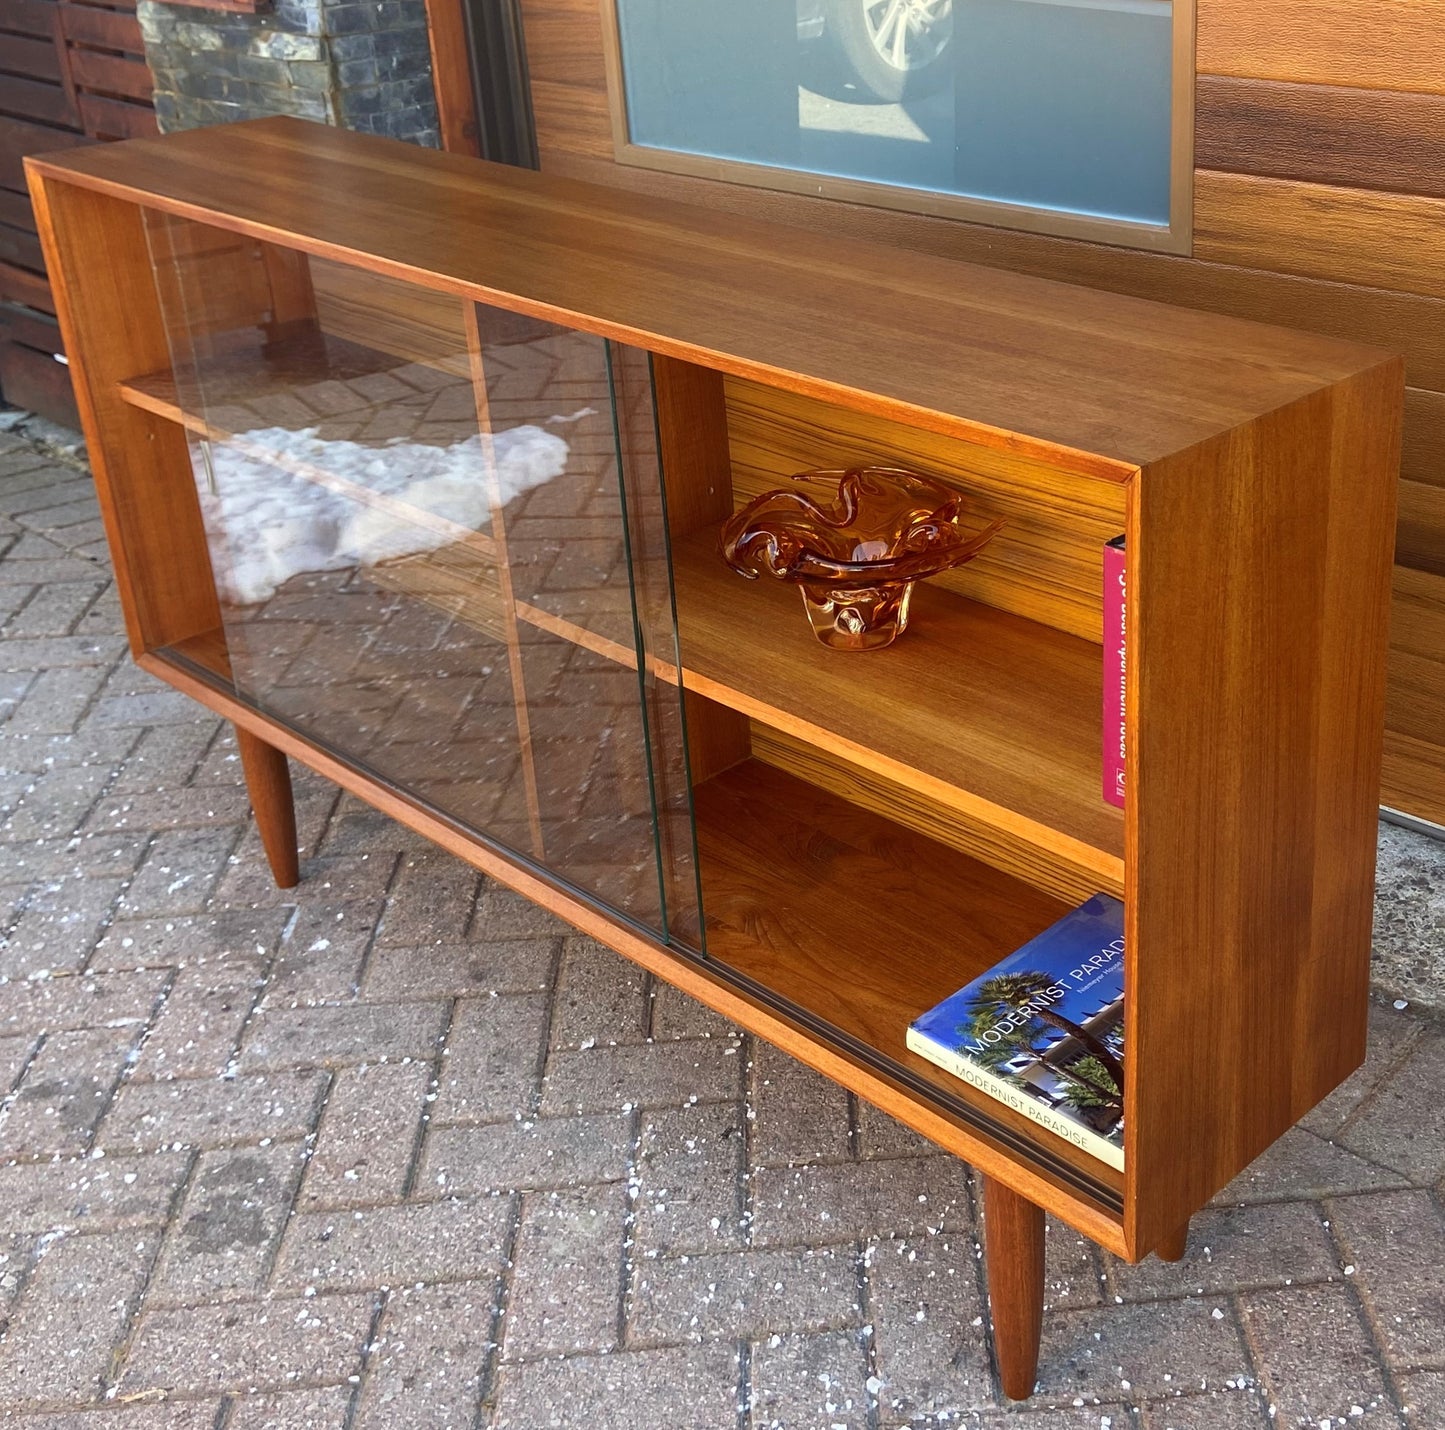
(362, 64)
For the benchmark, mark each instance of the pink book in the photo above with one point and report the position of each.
(1114, 645)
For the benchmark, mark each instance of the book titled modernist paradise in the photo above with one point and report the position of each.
(1043, 1031)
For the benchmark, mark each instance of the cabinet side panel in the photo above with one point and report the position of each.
(692, 427)
(1259, 598)
(1364, 461)
(100, 269)
(698, 480)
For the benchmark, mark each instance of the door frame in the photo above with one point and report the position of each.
(479, 73)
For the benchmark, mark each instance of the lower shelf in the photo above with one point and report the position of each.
(856, 925)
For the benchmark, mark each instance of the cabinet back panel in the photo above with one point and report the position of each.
(1046, 562)
(220, 278)
(380, 312)
(1043, 868)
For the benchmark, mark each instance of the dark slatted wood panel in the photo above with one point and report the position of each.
(1320, 197)
(1325, 134)
(69, 73)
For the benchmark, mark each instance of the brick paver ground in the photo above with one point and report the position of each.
(395, 1150)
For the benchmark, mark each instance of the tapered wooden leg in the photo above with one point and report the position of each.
(1172, 1247)
(268, 782)
(1014, 1245)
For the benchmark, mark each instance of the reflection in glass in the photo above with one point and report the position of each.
(1054, 104)
(414, 511)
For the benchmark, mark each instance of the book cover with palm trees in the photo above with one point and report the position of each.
(1043, 1031)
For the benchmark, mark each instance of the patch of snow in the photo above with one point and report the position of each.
(277, 524)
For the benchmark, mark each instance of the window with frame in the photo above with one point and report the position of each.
(1062, 116)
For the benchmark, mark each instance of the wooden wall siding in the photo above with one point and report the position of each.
(1414, 775)
(451, 68)
(1320, 204)
(1371, 44)
(1321, 231)
(1422, 518)
(564, 46)
(1422, 458)
(1326, 134)
(69, 73)
(571, 116)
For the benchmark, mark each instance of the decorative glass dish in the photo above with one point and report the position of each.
(853, 542)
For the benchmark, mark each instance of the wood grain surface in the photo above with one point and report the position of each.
(1014, 1254)
(1413, 775)
(1086, 380)
(1322, 231)
(1271, 606)
(1377, 44)
(1416, 690)
(1400, 322)
(100, 268)
(984, 714)
(451, 70)
(1420, 535)
(579, 114)
(1324, 134)
(391, 317)
(989, 714)
(1172, 1248)
(944, 823)
(1045, 564)
(564, 43)
(268, 783)
(864, 923)
(1422, 458)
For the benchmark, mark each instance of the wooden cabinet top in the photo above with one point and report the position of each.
(1089, 380)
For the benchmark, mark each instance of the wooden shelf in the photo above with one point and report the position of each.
(861, 924)
(986, 713)
(256, 385)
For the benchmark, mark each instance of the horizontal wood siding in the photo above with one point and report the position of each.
(1321, 231)
(1320, 204)
(1417, 676)
(1321, 152)
(1372, 44)
(1365, 138)
(69, 73)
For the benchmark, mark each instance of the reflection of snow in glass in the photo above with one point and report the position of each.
(277, 523)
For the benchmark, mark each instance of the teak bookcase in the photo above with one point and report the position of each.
(537, 659)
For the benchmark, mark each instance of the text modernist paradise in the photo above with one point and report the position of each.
(1087, 972)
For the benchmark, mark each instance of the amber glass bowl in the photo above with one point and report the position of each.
(854, 542)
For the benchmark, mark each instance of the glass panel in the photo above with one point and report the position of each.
(415, 516)
(650, 565)
(1062, 105)
(579, 574)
